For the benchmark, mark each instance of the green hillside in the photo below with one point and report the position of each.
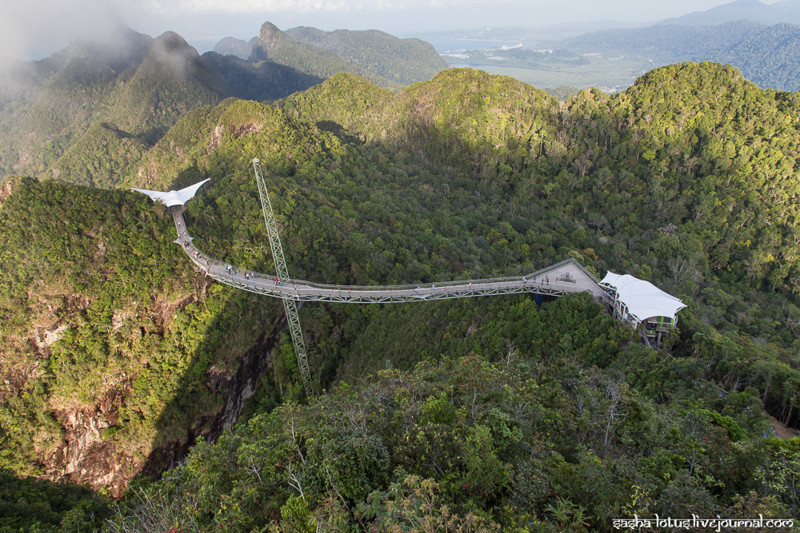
(65, 94)
(769, 58)
(495, 413)
(99, 156)
(281, 48)
(87, 113)
(403, 61)
(108, 342)
(169, 82)
(140, 89)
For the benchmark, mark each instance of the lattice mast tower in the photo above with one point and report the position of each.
(283, 277)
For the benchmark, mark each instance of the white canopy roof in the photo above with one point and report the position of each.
(642, 298)
(173, 197)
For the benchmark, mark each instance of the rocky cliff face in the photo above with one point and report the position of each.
(235, 389)
(115, 354)
(84, 457)
(87, 456)
(269, 38)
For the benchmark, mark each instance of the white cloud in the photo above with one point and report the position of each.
(270, 6)
(27, 27)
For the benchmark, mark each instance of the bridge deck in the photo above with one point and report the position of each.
(556, 280)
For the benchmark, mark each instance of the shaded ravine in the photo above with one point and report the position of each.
(235, 389)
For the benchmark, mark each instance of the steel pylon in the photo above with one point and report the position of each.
(282, 273)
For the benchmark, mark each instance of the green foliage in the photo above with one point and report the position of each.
(414, 504)
(519, 448)
(352, 463)
(727, 423)
(325, 59)
(500, 409)
(402, 61)
(779, 473)
(28, 504)
(118, 329)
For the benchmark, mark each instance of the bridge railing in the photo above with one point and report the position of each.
(208, 263)
(538, 275)
(412, 286)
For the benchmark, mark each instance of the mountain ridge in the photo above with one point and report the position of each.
(786, 11)
(403, 61)
(140, 86)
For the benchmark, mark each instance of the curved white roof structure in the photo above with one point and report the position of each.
(173, 197)
(642, 299)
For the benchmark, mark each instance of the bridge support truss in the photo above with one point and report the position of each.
(282, 273)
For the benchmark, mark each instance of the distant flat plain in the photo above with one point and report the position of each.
(607, 74)
(533, 63)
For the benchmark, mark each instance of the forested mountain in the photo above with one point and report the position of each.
(785, 11)
(62, 96)
(93, 109)
(768, 58)
(495, 414)
(230, 46)
(402, 61)
(88, 113)
(666, 42)
(278, 47)
(389, 61)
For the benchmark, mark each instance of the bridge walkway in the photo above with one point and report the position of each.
(562, 278)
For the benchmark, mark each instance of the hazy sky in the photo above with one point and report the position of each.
(32, 29)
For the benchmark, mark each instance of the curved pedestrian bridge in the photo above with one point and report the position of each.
(559, 279)
(562, 278)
